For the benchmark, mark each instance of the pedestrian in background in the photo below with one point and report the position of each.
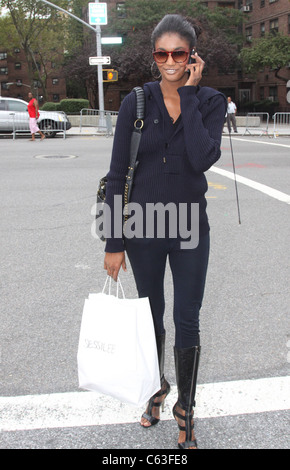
(33, 111)
(231, 115)
(180, 141)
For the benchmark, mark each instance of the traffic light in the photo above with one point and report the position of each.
(110, 75)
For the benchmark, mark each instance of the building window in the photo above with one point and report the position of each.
(273, 1)
(36, 66)
(274, 27)
(244, 95)
(273, 93)
(262, 93)
(226, 5)
(262, 29)
(288, 24)
(121, 10)
(3, 55)
(249, 4)
(18, 82)
(55, 98)
(262, 4)
(55, 81)
(17, 65)
(249, 34)
(3, 70)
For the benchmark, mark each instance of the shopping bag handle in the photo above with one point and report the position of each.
(110, 284)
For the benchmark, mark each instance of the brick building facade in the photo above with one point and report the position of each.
(262, 16)
(14, 70)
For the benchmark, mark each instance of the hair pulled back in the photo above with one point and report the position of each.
(174, 24)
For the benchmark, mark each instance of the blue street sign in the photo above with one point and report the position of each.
(98, 14)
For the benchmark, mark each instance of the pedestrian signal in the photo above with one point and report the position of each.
(110, 75)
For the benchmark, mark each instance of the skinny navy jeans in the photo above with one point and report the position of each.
(148, 259)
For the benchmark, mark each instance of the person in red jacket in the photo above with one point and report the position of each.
(33, 112)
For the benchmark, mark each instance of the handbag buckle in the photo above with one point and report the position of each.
(139, 123)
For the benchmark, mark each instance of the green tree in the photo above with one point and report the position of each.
(218, 40)
(40, 31)
(270, 51)
(76, 59)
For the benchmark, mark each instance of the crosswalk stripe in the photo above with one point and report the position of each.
(74, 409)
(253, 184)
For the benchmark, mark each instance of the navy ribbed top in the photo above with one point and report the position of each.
(172, 157)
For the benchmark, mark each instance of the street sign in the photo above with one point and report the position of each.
(115, 40)
(100, 60)
(98, 14)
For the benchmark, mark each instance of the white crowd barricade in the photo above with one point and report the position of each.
(49, 122)
(257, 122)
(54, 122)
(281, 124)
(91, 118)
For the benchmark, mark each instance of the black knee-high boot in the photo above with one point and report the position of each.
(165, 387)
(186, 366)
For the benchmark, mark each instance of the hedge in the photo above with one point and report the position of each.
(69, 106)
(73, 106)
(49, 106)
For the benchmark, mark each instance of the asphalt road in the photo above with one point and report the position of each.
(50, 262)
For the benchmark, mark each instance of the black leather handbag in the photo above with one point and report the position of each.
(134, 146)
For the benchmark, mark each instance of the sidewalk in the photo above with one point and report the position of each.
(242, 131)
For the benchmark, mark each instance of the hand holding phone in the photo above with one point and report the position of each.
(195, 67)
(191, 59)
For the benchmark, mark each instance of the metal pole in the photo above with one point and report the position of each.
(97, 31)
(68, 13)
(102, 121)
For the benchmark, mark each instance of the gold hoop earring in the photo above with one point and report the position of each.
(153, 71)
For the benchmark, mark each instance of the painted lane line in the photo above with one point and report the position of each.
(254, 184)
(75, 409)
(259, 142)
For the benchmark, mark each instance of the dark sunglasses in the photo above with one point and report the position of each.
(178, 56)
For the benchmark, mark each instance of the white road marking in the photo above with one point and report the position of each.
(253, 184)
(259, 142)
(74, 409)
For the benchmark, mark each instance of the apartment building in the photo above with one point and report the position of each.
(262, 17)
(14, 78)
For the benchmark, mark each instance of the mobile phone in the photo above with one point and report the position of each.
(191, 60)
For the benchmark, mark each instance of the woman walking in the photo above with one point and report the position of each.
(180, 141)
(33, 111)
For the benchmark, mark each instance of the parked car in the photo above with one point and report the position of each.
(14, 118)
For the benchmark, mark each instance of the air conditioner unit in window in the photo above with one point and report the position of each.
(247, 8)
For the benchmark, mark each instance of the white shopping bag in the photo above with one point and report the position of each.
(117, 352)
